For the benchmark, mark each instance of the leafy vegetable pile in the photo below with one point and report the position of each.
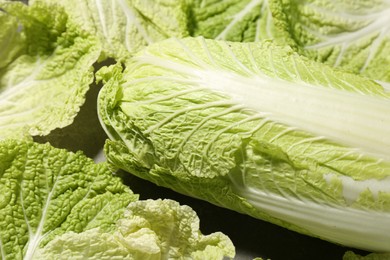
(276, 109)
(57, 204)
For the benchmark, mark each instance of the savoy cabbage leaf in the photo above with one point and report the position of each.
(256, 128)
(55, 204)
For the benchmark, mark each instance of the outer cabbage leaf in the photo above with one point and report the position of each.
(46, 192)
(256, 128)
(232, 20)
(354, 35)
(44, 85)
(10, 40)
(57, 204)
(126, 26)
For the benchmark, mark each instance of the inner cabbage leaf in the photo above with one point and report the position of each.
(257, 128)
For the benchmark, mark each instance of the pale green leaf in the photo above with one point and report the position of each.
(257, 128)
(126, 26)
(43, 87)
(11, 41)
(55, 204)
(150, 229)
(46, 192)
(233, 20)
(353, 35)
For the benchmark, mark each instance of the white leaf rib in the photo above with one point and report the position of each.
(244, 69)
(36, 237)
(305, 141)
(263, 120)
(269, 21)
(338, 224)
(382, 20)
(102, 18)
(255, 66)
(295, 67)
(11, 114)
(231, 126)
(258, 29)
(271, 64)
(29, 229)
(201, 123)
(133, 20)
(313, 78)
(289, 71)
(340, 157)
(2, 251)
(208, 53)
(360, 15)
(167, 97)
(13, 88)
(340, 55)
(334, 81)
(385, 85)
(353, 87)
(375, 47)
(175, 114)
(282, 133)
(296, 104)
(150, 79)
(115, 17)
(237, 18)
(192, 56)
(103, 112)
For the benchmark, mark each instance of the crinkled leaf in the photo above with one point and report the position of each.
(58, 204)
(43, 87)
(126, 26)
(46, 192)
(151, 229)
(233, 20)
(354, 35)
(259, 129)
(11, 41)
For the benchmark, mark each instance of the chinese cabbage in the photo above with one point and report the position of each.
(259, 129)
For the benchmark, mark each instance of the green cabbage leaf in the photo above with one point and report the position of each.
(231, 20)
(126, 26)
(45, 69)
(55, 204)
(259, 129)
(353, 35)
(10, 39)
